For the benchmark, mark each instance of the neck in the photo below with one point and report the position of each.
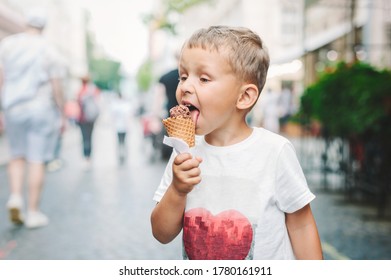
(227, 137)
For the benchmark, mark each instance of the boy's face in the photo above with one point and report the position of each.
(208, 84)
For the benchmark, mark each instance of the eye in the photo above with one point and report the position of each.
(204, 80)
(182, 78)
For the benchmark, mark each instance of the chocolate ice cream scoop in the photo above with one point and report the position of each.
(180, 124)
(180, 111)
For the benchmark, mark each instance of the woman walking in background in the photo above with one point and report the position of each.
(89, 112)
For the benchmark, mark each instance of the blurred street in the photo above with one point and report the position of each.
(104, 213)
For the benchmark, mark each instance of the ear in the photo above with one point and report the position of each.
(248, 97)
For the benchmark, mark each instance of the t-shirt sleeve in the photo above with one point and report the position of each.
(166, 180)
(292, 192)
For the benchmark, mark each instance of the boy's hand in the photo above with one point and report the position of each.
(186, 173)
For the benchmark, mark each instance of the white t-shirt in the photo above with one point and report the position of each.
(238, 209)
(28, 63)
(121, 112)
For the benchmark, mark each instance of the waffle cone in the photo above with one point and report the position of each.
(181, 128)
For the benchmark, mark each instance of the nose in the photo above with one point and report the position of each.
(185, 87)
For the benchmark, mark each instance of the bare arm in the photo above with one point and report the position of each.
(1, 81)
(58, 94)
(167, 216)
(1, 77)
(1, 111)
(304, 234)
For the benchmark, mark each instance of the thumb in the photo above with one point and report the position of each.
(199, 159)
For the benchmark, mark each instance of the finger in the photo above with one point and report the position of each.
(189, 164)
(179, 159)
(194, 181)
(194, 172)
(199, 159)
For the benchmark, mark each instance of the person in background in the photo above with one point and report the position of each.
(240, 193)
(32, 101)
(2, 129)
(87, 95)
(121, 113)
(168, 84)
(56, 163)
(270, 110)
(286, 107)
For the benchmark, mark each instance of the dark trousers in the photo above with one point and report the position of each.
(86, 132)
(121, 138)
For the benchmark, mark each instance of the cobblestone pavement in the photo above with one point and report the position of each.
(104, 213)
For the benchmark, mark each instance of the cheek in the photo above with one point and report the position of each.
(217, 106)
(178, 95)
(210, 112)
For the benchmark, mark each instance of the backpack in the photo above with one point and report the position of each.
(90, 107)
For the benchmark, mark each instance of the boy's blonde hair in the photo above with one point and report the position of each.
(246, 53)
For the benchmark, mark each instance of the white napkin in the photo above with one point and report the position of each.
(178, 144)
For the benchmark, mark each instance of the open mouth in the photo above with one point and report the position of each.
(193, 111)
(191, 107)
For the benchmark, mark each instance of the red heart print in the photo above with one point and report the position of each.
(226, 236)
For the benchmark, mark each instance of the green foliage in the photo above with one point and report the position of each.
(106, 73)
(181, 6)
(350, 100)
(145, 76)
(166, 17)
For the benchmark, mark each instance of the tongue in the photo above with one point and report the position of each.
(194, 116)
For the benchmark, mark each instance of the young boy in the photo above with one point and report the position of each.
(241, 193)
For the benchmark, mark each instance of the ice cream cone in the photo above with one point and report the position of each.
(181, 128)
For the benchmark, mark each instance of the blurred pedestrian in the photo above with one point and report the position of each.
(169, 81)
(270, 110)
(168, 84)
(72, 111)
(56, 163)
(1, 119)
(121, 113)
(240, 193)
(32, 101)
(286, 107)
(87, 98)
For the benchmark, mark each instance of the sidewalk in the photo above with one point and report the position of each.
(100, 214)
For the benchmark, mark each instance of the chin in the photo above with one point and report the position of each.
(200, 132)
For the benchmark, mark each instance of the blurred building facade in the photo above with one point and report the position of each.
(304, 37)
(346, 30)
(10, 21)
